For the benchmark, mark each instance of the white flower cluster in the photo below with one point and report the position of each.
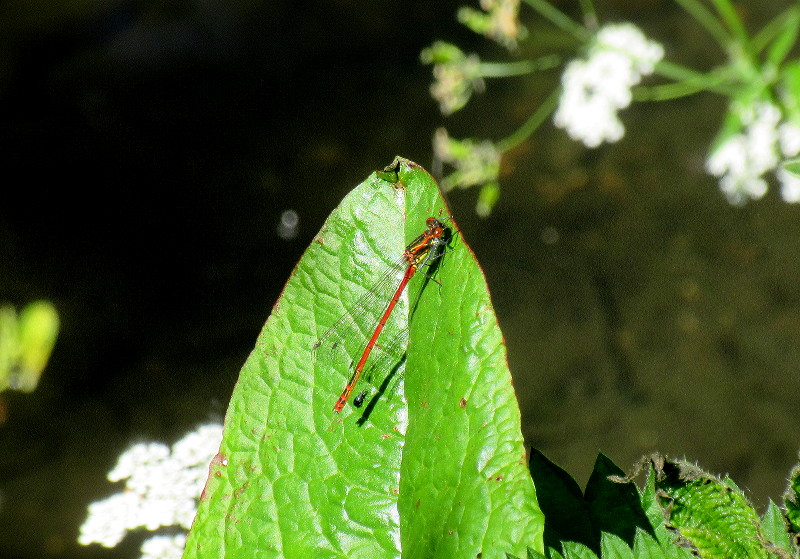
(596, 88)
(742, 159)
(163, 547)
(161, 489)
(456, 75)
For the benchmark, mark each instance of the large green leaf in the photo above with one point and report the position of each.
(432, 466)
(710, 514)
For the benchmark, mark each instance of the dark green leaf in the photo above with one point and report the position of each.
(567, 516)
(615, 507)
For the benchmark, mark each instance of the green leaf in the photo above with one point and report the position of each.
(791, 499)
(792, 166)
(615, 507)
(666, 539)
(533, 554)
(432, 466)
(774, 527)
(645, 546)
(614, 546)
(26, 342)
(575, 550)
(38, 329)
(712, 515)
(567, 515)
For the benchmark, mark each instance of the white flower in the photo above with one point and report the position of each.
(586, 112)
(595, 89)
(789, 138)
(161, 489)
(163, 547)
(743, 158)
(628, 40)
(456, 75)
(790, 186)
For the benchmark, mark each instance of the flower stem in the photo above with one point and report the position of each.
(687, 82)
(708, 20)
(734, 22)
(506, 69)
(530, 126)
(589, 15)
(559, 19)
(774, 28)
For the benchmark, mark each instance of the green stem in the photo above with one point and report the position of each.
(708, 20)
(506, 69)
(731, 18)
(559, 19)
(721, 80)
(536, 119)
(680, 89)
(774, 28)
(589, 15)
(677, 72)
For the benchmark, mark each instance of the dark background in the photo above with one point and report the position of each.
(148, 150)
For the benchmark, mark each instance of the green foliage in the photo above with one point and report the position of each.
(792, 501)
(710, 514)
(582, 517)
(679, 513)
(432, 466)
(26, 342)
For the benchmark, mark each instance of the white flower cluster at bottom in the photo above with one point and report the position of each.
(162, 487)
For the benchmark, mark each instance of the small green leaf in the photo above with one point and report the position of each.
(774, 527)
(576, 550)
(433, 465)
(9, 344)
(614, 546)
(648, 499)
(792, 166)
(38, 329)
(487, 198)
(645, 546)
(533, 554)
(665, 538)
(26, 342)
